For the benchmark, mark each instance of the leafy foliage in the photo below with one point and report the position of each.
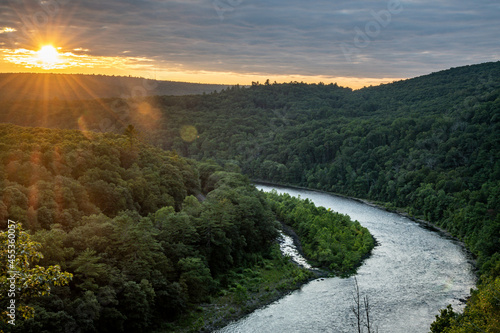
(30, 280)
(125, 221)
(331, 239)
(481, 314)
(428, 145)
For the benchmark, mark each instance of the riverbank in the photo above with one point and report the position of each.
(410, 276)
(253, 288)
(383, 206)
(247, 290)
(256, 287)
(388, 208)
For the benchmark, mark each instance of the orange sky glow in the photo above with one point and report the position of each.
(81, 61)
(192, 41)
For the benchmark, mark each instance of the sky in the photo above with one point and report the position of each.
(354, 43)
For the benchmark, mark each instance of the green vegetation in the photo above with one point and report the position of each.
(482, 313)
(329, 239)
(428, 146)
(125, 222)
(151, 240)
(29, 280)
(246, 290)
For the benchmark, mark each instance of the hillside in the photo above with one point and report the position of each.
(139, 227)
(26, 86)
(123, 219)
(429, 146)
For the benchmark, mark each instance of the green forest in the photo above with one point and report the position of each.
(429, 146)
(126, 237)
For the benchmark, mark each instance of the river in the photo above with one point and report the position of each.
(411, 274)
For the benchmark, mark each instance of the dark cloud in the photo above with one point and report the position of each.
(281, 37)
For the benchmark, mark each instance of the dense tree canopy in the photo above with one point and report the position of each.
(428, 145)
(328, 238)
(145, 234)
(126, 223)
(21, 279)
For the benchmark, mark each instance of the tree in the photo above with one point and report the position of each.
(87, 269)
(131, 133)
(137, 304)
(443, 320)
(18, 257)
(195, 278)
(356, 308)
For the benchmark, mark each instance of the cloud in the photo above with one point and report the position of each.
(6, 30)
(280, 37)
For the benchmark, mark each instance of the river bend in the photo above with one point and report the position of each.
(411, 274)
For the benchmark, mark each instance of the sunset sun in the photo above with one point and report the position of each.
(48, 56)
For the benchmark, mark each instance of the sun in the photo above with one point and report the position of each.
(48, 56)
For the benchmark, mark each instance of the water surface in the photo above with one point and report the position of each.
(412, 273)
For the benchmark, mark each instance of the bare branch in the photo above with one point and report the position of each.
(356, 308)
(366, 301)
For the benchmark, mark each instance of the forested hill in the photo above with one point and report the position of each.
(30, 86)
(123, 219)
(428, 145)
(147, 236)
(430, 92)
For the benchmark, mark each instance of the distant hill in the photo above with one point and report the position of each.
(31, 86)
